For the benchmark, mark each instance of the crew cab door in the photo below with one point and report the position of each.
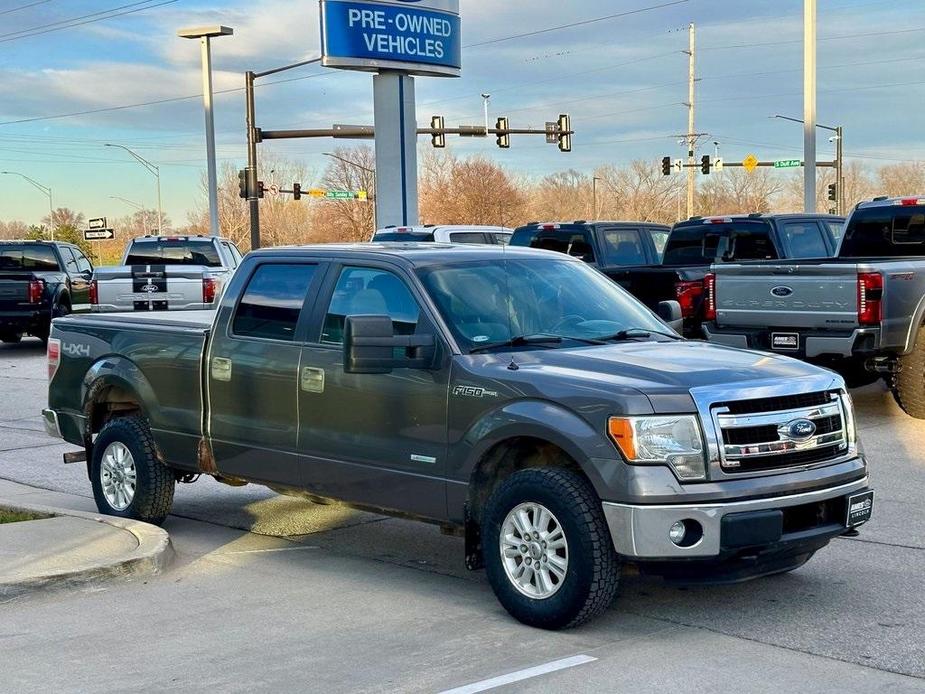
(79, 271)
(253, 372)
(377, 439)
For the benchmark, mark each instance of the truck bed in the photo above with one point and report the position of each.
(161, 351)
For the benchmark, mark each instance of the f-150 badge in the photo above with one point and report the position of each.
(474, 392)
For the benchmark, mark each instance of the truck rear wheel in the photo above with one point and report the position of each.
(128, 479)
(547, 549)
(909, 379)
(10, 338)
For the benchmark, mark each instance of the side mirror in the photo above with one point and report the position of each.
(670, 312)
(370, 346)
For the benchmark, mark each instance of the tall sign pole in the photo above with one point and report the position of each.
(809, 105)
(398, 40)
(691, 137)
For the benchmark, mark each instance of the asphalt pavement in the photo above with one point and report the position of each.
(271, 593)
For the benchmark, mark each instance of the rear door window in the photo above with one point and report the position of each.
(659, 240)
(83, 265)
(804, 239)
(70, 262)
(272, 301)
(174, 252)
(28, 257)
(622, 247)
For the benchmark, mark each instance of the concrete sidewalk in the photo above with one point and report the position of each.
(67, 548)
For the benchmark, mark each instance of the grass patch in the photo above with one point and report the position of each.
(7, 516)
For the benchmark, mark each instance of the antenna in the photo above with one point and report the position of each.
(507, 304)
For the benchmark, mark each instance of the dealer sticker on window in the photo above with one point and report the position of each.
(860, 507)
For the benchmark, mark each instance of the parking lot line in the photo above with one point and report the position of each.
(519, 675)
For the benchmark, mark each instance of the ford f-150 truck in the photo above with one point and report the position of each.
(861, 312)
(165, 273)
(40, 280)
(515, 397)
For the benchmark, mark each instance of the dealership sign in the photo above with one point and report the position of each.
(418, 37)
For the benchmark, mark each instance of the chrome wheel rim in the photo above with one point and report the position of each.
(118, 476)
(534, 550)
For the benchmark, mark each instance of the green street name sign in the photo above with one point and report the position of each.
(340, 194)
(787, 163)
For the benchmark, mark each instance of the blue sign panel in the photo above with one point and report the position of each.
(416, 36)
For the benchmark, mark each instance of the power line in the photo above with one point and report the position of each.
(25, 7)
(836, 37)
(70, 23)
(584, 22)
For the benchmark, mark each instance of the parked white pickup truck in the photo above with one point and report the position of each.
(161, 273)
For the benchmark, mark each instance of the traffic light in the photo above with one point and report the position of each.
(565, 133)
(666, 166)
(705, 164)
(242, 183)
(504, 138)
(438, 138)
(260, 189)
(296, 191)
(833, 192)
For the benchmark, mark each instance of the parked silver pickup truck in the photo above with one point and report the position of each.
(161, 273)
(861, 312)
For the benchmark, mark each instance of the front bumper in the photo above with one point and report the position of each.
(641, 532)
(854, 343)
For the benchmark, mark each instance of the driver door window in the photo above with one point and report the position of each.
(364, 291)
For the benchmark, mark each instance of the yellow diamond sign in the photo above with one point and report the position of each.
(750, 162)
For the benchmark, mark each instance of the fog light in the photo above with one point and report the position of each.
(677, 532)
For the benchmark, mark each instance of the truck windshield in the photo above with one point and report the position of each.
(485, 302)
(174, 252)
(27, 257)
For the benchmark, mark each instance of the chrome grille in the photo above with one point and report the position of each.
(801, 431)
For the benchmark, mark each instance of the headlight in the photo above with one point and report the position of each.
(673, 440)
(851, 431)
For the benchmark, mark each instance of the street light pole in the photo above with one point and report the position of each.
(152, 168)
(485, 99)
(839, 158)
(47, 191)
(204, 34)
(809, 105)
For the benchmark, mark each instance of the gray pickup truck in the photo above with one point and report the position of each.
(516, 398)
(861, 312)
(165, 273)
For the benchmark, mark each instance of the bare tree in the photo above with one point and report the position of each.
(64, 217)
(13, 230)
(350, 170)
(904, 178)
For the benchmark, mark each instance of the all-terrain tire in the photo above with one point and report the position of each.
(909, 379)
(154, 481)
(593, 572)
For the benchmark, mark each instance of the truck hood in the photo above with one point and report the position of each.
(661, 371)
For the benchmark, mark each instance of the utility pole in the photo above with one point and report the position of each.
(809, 105)
(691, 133)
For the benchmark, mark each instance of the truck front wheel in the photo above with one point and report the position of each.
(128, 479)
(909, 380)
(547, 550)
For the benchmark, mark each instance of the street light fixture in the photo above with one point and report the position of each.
(47, 191)
(205, 34)
(838, 139)
(152, 168)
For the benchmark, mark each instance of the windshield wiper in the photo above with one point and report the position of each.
(630, 333)
(518, 341)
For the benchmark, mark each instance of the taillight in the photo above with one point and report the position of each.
(870, 298)
(94, 292)
(709, 300)
(209, 288)
(36, 289)
(54, 356)
(910, 202)
(688, 293)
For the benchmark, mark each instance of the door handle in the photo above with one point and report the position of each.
(312, 380)
(221, 369)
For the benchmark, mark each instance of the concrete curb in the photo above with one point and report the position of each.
(152, 556)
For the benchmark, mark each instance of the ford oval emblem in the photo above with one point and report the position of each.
(781, 291)
(801, 429)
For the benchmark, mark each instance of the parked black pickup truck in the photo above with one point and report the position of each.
(517, 398)
(697, 243)
(615, 248)
(40, 280)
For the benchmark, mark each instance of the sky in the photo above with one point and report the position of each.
(623, 80)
